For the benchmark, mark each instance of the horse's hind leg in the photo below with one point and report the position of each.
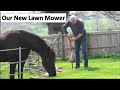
(12, 70)
(22, 66)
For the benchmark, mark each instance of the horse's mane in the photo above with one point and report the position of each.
(42, 42)
(24, 35)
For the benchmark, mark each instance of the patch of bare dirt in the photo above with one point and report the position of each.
(43, 71)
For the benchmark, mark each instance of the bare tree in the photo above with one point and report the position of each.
(112, 14)
(80, 14)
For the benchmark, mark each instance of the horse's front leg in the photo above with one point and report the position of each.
(12, 70)
(22, 66)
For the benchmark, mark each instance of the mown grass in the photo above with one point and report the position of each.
(99, 68)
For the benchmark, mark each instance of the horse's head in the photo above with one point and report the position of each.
(49, 62)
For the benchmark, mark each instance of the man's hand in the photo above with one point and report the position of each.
(69, 35)
(72, 39)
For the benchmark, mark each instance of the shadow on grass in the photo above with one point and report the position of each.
(92, 68)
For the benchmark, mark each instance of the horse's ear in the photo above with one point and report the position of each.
(48, 48)
(52, 47)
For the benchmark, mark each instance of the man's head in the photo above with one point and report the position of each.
(73, 19)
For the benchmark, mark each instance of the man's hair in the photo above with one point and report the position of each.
(73, 16)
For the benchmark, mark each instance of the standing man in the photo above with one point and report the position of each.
(79, 39)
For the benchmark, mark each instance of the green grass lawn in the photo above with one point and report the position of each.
(99, 68)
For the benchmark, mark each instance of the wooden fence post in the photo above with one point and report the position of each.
(58, 45)
(62, 46)
(119, 40)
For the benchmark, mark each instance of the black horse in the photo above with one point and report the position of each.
(20, 38)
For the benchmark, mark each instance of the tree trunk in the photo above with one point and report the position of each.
(55, 28)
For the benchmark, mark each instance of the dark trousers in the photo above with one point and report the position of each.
(83, 44)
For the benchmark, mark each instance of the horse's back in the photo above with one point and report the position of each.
(8, 40)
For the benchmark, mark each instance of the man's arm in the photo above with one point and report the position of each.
(64, 27)
(81, 30)
(78, 36)
(75, 38)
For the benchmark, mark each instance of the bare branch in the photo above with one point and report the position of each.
(112, 14)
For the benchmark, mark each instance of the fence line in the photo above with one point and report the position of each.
(97, 43)
(15, 62)
(11, 49)
(18, 62)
